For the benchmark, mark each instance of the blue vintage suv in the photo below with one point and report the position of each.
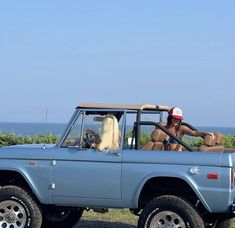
(51, 185)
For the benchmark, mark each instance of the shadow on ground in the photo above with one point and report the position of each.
(102, 224)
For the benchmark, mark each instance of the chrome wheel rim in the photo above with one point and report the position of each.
(167, 219)
(12, 214)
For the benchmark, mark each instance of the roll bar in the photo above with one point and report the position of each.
(157, 125)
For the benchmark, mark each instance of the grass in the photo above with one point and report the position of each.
(114, 215)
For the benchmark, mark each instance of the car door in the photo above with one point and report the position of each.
(85, 173)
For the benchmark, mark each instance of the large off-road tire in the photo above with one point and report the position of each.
(18, 208)
(169, 211)
(61, 217)
(228, 223)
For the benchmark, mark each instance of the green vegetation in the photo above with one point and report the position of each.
(114, 215)
(229, 141)
(144, 138)
(12, 139)
(195, 142)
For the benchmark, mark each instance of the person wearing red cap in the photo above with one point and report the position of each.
(174, 119)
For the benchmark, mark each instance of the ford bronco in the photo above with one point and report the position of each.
(51, 185)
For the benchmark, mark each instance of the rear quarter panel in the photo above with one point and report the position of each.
(140, 166)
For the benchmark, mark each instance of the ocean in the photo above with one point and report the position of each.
(31, 129)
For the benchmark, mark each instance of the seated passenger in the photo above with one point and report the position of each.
(175, 117)
(109, 138)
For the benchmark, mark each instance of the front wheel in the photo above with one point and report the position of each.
(169, 211)
(61, 217)
(18, 208)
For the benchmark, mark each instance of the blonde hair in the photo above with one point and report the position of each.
(109, 134)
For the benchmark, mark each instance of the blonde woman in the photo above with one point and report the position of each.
(109, 134)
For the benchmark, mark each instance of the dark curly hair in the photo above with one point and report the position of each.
(169, 120)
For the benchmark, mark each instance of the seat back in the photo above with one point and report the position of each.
(157, 137)
(158, 146)
(218, 148)
(148, 146)
(219, 139)
(156, 141)
(213, 143)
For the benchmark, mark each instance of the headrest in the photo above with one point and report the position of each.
(158, 135)
(215, 139)
(219, 138)
(209, 140)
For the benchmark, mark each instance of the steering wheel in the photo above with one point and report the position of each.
(90, 137)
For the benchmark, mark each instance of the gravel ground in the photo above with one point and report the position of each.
(102, 224)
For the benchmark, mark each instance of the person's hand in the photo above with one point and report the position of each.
(204, 134)
(210, 133)
(94, 145)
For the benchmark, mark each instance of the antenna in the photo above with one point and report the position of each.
(46, 115)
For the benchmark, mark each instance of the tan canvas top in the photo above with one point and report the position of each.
(126, 106)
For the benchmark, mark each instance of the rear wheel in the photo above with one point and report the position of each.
(169, 211)
(228, 223)
(61, 217)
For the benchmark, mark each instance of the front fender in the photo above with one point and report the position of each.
(36, 173)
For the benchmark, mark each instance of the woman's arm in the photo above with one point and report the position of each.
(184, 130)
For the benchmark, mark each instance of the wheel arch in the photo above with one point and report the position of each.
(165, 184)
(21, 179)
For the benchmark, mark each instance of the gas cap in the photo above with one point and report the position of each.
(194, 170)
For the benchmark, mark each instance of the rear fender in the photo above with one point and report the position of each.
(186, 179)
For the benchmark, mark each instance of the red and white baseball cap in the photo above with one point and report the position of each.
(176, 113)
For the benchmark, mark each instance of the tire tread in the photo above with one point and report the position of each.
(171, 200)
(22, 193)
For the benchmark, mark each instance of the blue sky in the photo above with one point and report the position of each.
(57, 54)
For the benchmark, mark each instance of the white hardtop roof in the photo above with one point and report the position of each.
(125, 106)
